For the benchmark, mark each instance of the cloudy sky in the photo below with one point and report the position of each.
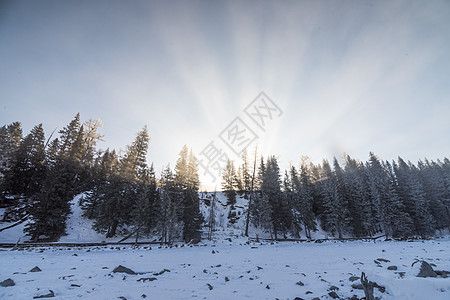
(348, 76)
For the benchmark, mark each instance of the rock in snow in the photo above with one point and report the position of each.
(426, 270)
(49, 295)
(7, 282)
(35, 269)
(333, 295)
(122, 269)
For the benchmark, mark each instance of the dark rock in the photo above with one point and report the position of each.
(49, 295)
(259, 268)
(209, 286)
(333, 295)
(383, 260)
(161, 272)
(226, 279)
(35, 269)
(204, 271)
(143, 296)
(315, 298)
(268, 287)
(426, 270)
(333, 288)
(357, 286)
(443, 274)
(353, 278)
(392, 268)
(144, 279)
(122, 269)
(7, 282)
(402, 274)
(122, 298)
(298, 298)
(308, 292)
(300, 283)
(354, 297)
(213, 252)
(75, 285)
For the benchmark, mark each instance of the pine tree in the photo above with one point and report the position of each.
(115, 203)
(108, 165)
(251, 204)
(28, 164)
(411, 192)
(134, 163)
(434, 187)
(246, 176)
(398, 220)
(169, 223)
(229, 183)
(303, 192)
(68, 136)
(335, 216)
(187, 185)
(50, 208)
(192, 217)
(358, 199)
(292, 200)
(271, 190)
(10, 138)
(117, 196)
(145, 212)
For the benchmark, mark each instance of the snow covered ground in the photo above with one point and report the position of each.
(230, 267)
(235, 270)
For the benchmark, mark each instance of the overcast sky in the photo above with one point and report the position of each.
(348, 76)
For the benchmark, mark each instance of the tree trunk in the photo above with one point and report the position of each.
(112, 229)
(35, 237)
(247, 221)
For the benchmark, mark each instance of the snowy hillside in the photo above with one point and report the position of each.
(79, 229)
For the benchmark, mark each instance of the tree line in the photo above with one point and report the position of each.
(39, 178)
(121, 192)
(399, 199)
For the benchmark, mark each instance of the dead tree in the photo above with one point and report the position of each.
(367, 287)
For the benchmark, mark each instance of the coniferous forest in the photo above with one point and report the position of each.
(39, 177)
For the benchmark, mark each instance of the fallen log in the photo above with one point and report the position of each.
(15, 224)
